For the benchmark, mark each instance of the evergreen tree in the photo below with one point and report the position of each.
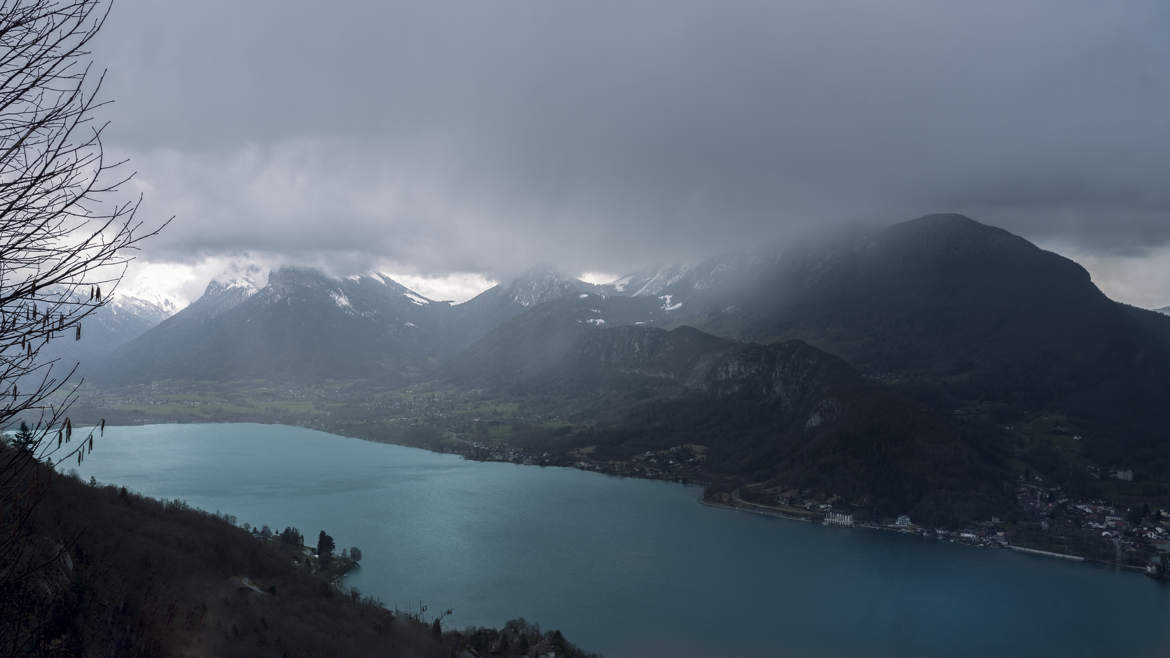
(325, 548)
(25, 440)
(291, 535)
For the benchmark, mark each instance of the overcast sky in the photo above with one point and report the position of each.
(456, 142)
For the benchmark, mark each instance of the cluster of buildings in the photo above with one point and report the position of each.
(1097, 529)
(498, 452)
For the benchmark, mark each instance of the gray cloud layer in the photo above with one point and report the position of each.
(480, 136)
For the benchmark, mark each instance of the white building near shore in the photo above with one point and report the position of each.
(837, 518)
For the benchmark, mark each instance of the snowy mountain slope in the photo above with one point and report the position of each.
(303, 323)
(300, 324)
(122, 319)
(478, 316)
(650, 282)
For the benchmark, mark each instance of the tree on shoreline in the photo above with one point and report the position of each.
(325, 548)
(292, 536)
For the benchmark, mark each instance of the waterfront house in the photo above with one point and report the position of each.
(837, 518)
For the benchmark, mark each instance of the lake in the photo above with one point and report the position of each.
(633, 567)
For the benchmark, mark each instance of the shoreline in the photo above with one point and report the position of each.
(775, 514)
(1037, 552)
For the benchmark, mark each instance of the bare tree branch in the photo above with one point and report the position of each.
(65, 238)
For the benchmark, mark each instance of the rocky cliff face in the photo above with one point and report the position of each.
(778, 373)
(786, 413)
(682, 355)
(789, 374)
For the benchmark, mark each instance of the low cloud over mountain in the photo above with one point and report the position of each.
(602, 136)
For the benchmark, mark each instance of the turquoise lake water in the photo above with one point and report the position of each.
(632, 567)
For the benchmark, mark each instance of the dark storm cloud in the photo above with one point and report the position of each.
(600, 135)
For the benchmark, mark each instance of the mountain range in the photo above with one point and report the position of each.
(914, 346)
(300, 325)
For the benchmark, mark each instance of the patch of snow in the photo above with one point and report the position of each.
(583, 295)
(415, 298)
(597, 322)
(241, 285)
(667, 305)
(375, 276)
(340, 299)
(409, 324)
(245, 285)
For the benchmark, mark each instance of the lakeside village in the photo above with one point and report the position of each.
(1047, 521)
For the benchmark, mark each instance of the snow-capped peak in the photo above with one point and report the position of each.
(241, 284)
(156, 310)
(385, 280)
(239, 281)
(542, 284)
(237, 286)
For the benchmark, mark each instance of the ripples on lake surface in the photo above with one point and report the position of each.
(633, 567)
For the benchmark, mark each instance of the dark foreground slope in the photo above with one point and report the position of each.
(110, 573)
